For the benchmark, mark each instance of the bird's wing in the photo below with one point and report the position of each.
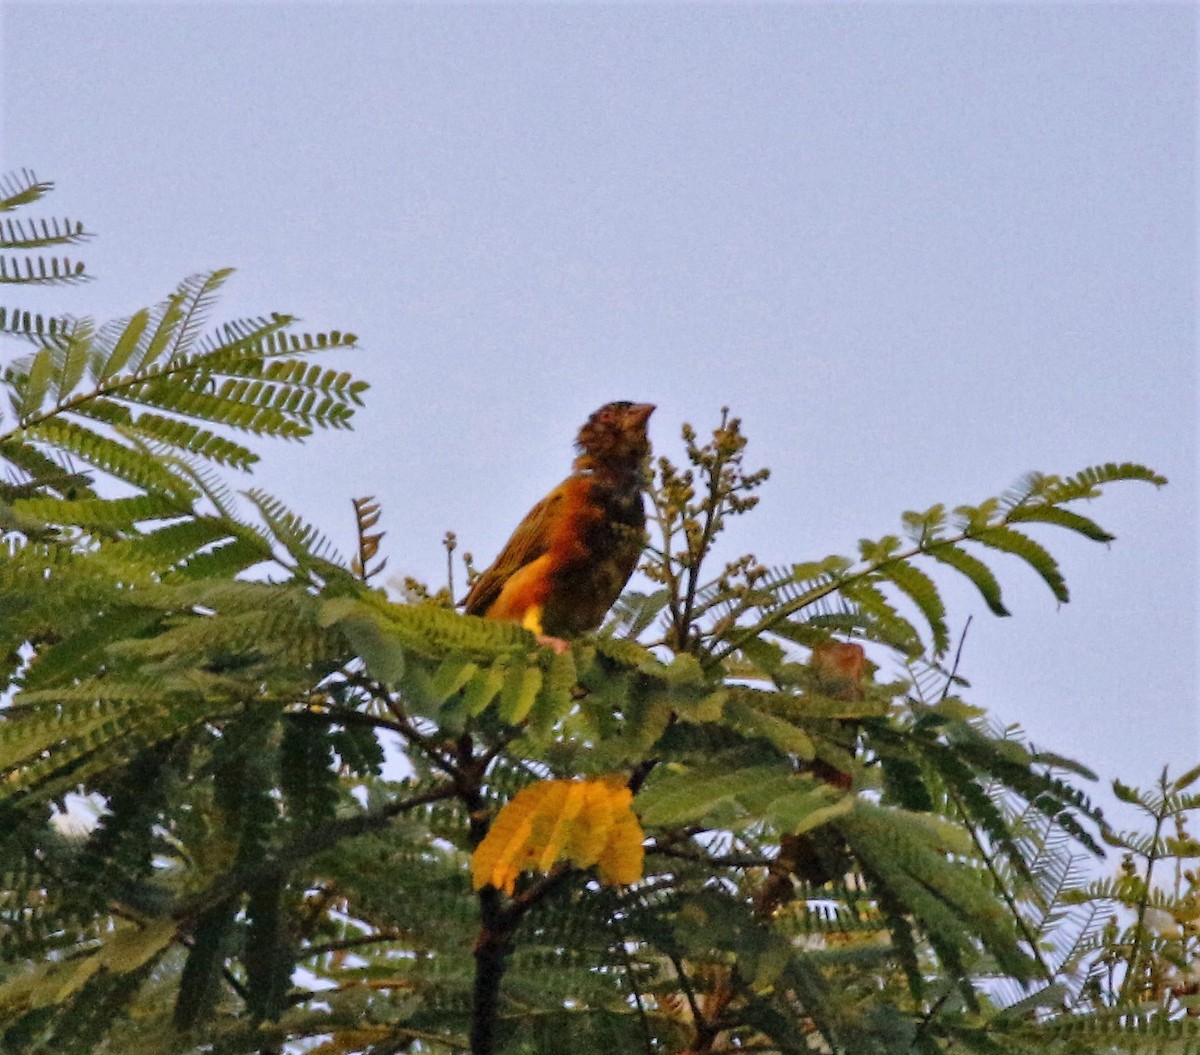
(531, 539)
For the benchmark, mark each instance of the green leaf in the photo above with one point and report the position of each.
(198, 296)
(1087, 484)
(762, 654)
(171, 432)
(132, 947)
(782, 733)
(78, 653)
(706, 707)
(521, 686)
(75, 361)
(483, 687)
(1187, 780)
(889, 625)
(924, 594)
(555, 698)
(452, 674)
(135, 467)
(684, 669)
(369, 636)
(23, 189)
(1035, 555)
(36, 383)
(975, 570)
(106, 514)
(225, 559)
(722, 797)
(170, 315)
(126, 345)
(687, 794)
(1128, 794)
(167, 547)
(1048, 514)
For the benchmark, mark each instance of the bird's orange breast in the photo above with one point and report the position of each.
(592, 545)
(572, 554)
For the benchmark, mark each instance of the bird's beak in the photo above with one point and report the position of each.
(640, 412)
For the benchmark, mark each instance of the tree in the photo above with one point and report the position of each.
(714, 825)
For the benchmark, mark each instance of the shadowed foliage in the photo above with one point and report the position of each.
(289, 773)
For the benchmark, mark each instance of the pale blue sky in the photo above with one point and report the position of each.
(921, 249)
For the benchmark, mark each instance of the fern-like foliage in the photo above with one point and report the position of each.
(20, 239)
(863, 595)
(291, 774)
(147, 403)
(141, 399)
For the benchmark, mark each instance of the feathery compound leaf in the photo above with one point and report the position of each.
(164, 320)
(32, 732)
(109, 515)
(49, 329)
(75, 361)
(887, 625)
(21, 188)
(1035, 555)
(907, 855)
(126, 344)
(225, 559)
(521, 687)
(302, 540)
(198, 294)
(172, 545)
(1048, 514)
(484, 686)
(293, 373)
(451, 675)
(924, 594)
(974, 569)
(163, 432)
(236, 404)
(721, 797)
(34, 384)
(429, 630)
(125, 463)
(83, 652)
(757, 722)
(125, 949)
(1087, 484)
(40, 233)
(237, 341)
(41, 271)
(555, 698)
(46, 474)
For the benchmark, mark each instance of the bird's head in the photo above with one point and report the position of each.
(614, 437)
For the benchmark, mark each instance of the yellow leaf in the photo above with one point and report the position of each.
(591, 833)
(624, 855)
(583, 822)
(568, 809)
(495, 859)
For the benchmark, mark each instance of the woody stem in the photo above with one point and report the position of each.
(711, 509)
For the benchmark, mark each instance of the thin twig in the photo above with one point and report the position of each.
(1152, 859)
(304, 846)
(962, 640)
(643, 1018)
(689, 993)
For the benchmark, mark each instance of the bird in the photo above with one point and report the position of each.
(570, 558)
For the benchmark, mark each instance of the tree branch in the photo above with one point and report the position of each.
(304, 846)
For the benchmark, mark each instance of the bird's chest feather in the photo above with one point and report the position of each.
(593, 554)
